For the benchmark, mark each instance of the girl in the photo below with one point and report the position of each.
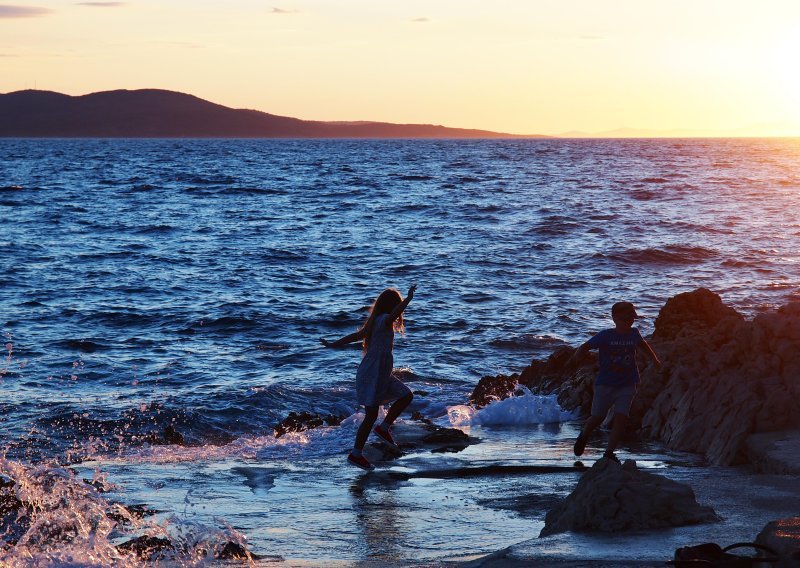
(375, 384)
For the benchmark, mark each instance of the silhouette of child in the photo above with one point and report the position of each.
(616, 381)
(375, 384)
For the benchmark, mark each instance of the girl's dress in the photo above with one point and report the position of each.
(375, 384)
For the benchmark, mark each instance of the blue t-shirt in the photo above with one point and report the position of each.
(617, 356)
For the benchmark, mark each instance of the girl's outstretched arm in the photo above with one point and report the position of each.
(351, 338)
(395, 313)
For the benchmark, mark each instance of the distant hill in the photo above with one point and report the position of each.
(155, 113)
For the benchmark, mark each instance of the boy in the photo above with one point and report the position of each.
(616, 382)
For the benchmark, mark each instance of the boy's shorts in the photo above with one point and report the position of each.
(619, 397)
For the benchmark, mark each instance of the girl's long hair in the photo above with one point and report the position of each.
(387, 301)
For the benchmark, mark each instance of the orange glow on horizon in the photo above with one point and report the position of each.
(681, 68)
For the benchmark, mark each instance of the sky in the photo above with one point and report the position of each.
(678, 67)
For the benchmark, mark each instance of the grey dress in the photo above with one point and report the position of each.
(375, 384)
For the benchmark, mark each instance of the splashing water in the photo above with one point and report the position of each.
(525, 409)
(50, 517)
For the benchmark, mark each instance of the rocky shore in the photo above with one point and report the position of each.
(725, 380)
(729, 389)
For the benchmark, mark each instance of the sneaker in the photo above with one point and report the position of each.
(611, 456)
(360, 461)
(385, 435)
(580, 445)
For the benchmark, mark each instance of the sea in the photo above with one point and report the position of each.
(161, 285)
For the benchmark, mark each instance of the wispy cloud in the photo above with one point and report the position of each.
(102, 4)
(7, 11)
(283, 11)
(420, 20)
(590, 37)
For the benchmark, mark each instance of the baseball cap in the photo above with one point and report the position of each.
(623, 309)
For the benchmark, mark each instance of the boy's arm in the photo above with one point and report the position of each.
(644, 346)
(351, 338)
(578, 354)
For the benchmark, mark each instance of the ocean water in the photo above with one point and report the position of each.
(186, 283)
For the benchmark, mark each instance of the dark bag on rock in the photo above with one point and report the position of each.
(713, 555)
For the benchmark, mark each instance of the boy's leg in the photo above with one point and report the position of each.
(370, 416)
(591, 424)
(617, 430)
(622, 407)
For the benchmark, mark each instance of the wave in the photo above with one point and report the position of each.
(670, 254)
(52, 516)
(522, 410)
(527, 342)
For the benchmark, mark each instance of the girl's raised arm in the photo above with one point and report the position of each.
(351, 338)
(395, 313)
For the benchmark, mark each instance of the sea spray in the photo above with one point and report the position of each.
(527, 408)
(51, 517)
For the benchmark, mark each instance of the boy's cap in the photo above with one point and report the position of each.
(624, 309)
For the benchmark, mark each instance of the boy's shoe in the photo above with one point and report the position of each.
(611, 456)
(385, 435)
(360, 461)
(580, 445)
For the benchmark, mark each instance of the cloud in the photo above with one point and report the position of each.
(419, 20)
(102, 4)
(283, 11)
(7, 11)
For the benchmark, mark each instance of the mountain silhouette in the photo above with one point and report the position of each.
(156, 113)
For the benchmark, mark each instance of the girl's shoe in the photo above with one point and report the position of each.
(385, 435)
(609, 455)
(360, 461)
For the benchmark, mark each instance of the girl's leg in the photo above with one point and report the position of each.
(397, 407)
(371, 415)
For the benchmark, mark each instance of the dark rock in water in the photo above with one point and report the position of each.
(145, 546)
(611, 498)
(490, 389)
(783, 537)
(418, 416)
(169, 437)
(172, 436)
(234, 551)
(418, 435)
(445, 436)
(305, 421)
(138, 511)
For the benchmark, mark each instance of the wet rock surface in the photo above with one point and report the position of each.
(300, 421)
(611, 498)
(783, 536)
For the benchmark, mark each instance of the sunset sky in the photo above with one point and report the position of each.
(519, 66)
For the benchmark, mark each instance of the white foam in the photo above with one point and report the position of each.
(65, 521)
(527, 408)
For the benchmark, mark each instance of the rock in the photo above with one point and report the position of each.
(305, 421)
(234, 551)
(145, 546)
(490, 389)
(169, 437)
(723, 378)
(692, 313)
(418, 435)
(783, 537)
(775, 452)
(613, 498)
